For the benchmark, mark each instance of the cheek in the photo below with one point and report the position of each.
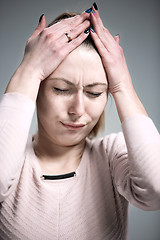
(96, 108)
(51, 105)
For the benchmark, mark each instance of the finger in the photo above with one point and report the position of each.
(78, 19)
(71, 37)
(67, 24)
(58, 31)
(74, 33)
(69, 47)
(117, 38)
(99, 27)
(96, 14)
(41, 26)
(103, 33)
(100, 46)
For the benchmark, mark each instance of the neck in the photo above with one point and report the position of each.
(55, 159)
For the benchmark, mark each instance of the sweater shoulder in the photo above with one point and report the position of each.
(108, 144)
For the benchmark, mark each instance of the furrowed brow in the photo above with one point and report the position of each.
(72, 84)
(96, 84)
(64, 80)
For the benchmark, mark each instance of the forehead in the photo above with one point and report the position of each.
(82, 66)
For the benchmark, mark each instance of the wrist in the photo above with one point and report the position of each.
(127, 102)
(124, 85)
(25, 80)
(29, 71)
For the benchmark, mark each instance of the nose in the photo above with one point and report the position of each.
(77, 105)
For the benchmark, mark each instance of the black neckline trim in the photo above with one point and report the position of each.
(58, 177)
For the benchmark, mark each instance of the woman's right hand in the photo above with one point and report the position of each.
(45, 50)
(47, 47)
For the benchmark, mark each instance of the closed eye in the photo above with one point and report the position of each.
(69, 91)
(94, 95)
(61, 91)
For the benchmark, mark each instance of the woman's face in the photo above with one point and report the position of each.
(73, 98)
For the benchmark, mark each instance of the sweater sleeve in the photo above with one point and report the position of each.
(16, 112)
(136, 170)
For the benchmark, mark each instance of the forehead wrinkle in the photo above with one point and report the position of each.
(72, 84)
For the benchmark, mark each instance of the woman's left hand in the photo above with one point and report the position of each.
(120, 83)
(112, 55)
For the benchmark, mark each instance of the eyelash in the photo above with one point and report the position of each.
(94, 95)
(65, 91)
(61, 91)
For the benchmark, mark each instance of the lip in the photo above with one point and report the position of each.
(73, 126)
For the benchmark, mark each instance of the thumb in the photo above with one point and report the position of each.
(41, 26)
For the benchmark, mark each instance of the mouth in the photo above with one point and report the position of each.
(73, 126)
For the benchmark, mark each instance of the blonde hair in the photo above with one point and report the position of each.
(88, 42)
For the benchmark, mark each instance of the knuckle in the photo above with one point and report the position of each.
(71, 23)
(72, 30)
(49, 37)
(67, 21)
(83, 16)
(76, 17)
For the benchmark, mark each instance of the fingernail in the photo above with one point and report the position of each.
(87, 31)
(94, 13)
(95, 6)
(91, 28)
(88, 10)
(40, 19)
(118, 35)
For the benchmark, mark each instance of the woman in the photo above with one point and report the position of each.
(60, 184)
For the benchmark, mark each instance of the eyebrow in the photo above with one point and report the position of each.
(72, 84)
(96, 83)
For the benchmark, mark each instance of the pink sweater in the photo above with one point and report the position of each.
(92, 205)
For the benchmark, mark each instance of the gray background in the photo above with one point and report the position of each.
(137, 22)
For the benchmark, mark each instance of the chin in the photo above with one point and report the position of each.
(67, 141)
